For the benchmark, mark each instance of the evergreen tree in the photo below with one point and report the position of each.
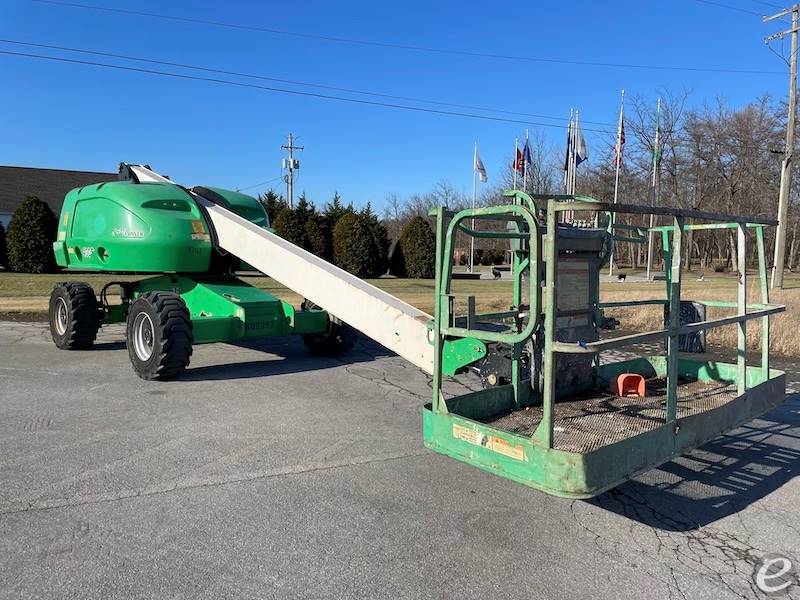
(273, 203)
(335, 210)
(380, 239)
(30, 238)
(353, 245)
(414, 253)
(304, 209)
(331, 213)
(317, 237)
(289, 226)
(3, 250)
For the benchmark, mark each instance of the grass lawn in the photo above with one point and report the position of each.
(26, 293)
(24, 296)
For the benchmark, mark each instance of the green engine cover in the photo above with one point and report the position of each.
(143, 227)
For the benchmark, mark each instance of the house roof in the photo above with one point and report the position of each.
(50, 185)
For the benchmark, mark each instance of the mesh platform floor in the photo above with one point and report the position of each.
(590, 420)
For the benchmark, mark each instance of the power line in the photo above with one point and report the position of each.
(279, 80)
(770, 4)
(286, 91)
(314, 95)
(710, 2)
(429, 49)
(250, 187)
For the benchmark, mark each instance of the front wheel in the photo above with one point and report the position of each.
(159, 335)
(74, 315)
(335, 341)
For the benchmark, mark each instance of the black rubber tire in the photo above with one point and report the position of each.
(74, 315)
(337, 340)
(165, 316)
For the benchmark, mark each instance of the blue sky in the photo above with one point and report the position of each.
(78, 117)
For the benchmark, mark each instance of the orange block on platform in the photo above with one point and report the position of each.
(629, 385)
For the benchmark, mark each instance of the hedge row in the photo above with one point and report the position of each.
(356, 241)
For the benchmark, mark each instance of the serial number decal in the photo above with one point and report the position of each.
(490, 442)
(126, 233)
(257, 325)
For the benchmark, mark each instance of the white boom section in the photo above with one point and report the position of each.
(397, 325)
(379, 315)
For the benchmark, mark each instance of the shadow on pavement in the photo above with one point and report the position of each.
(291, 356)
(102, 346)
(719, 478)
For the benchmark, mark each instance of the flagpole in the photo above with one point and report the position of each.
(571, 215)
(616, 177)
(514, 162)
(474, 197)
(568, 160)
(524, 165)
(569, 150)
(568, 184)
(575, 152)
(656, 161)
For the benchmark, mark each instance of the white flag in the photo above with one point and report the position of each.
(479, 168)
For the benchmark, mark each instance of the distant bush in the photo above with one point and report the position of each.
(316, 237)
(414, 253)
(290, 227)
(379, 264)
(353, 246)
(30, 238)
(366, 256)
(3, 249)
(493, 256)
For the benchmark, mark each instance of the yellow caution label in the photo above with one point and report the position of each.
(199, 231)
(490, 442)
(501, 446)
(66, 218)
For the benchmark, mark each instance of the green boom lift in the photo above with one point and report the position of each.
(158, 227)
(548, 415)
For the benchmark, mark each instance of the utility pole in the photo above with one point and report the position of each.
(786, 164)
(291, 164)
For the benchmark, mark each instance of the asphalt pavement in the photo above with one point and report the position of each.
(267, 473)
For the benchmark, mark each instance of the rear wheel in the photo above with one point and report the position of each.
(159, 332)
(335, 341)
(74, 315)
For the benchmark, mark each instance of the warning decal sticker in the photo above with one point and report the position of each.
(490, 442)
